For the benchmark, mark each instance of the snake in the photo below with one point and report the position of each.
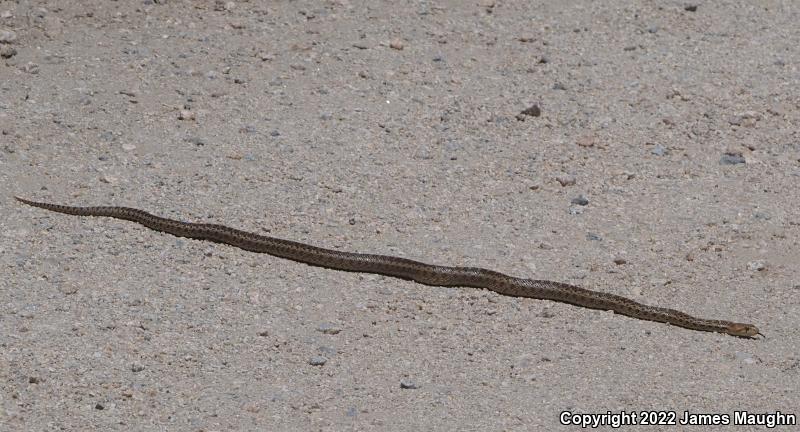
(427, 274)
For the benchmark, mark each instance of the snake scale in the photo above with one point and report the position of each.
(427, 274)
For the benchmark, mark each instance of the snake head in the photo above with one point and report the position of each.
(743, 330)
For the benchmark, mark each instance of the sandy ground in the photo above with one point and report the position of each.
(663, 165)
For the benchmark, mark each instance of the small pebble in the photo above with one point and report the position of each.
(759, 265)
(186, 115)
(317, 361)
(396, 44)
(746, 119)
(690, 8)
(408, 384)
(735, 120)
(620, 261)
(30, 67)
(586, 141)
(328, 328)
(593, 237)
(762, 216)
(566, 179)
(137, 367)
(659, 150)
(531, 111)
(7, 36)
(109, 179)
(580, 200)
(731, 159)
(7, 51)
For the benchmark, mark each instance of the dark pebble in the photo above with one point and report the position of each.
(317, 361)
(531, 111)
(580, 200)
(762, 216)
(7, 51)
(731, 159)
(408, 384)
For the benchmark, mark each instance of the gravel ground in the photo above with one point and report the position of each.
(647, 149)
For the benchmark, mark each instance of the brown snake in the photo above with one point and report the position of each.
(427, 274)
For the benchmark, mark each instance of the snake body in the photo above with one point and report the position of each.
(427, 274)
